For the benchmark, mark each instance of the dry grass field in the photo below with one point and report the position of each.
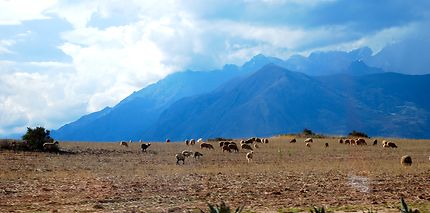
(283, 177)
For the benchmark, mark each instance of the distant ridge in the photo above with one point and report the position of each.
(267, 96)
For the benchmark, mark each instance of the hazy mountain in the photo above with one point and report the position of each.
(132, 117)
(275, 100)
(326, 63)
(334, 92)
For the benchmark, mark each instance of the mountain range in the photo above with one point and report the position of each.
(327, 92)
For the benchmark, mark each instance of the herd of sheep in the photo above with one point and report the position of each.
(248, 146)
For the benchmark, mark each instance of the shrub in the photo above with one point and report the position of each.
(36, 137)
(358, 134)
(308, 132)
(222, 208)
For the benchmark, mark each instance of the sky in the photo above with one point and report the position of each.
(60, 60)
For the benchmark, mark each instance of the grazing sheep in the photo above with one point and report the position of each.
(206, 145)
(293, 140)
(249, 156)
(384, 142)
(192, 142)
(309, 140)
(256, 146)
(145, 146)
(249, 141)
(198, 155)
(233, 147)
(352, 142)
(266, 140)
(221, 143)
(187, 142)
(187, 153)
(123, 143)
(361, 142)
(326, 145)
(406, 160)
(389, 144)
(180, 157)
(258, 140)
(200, 140)
(246, 146)
(167, 140)
(341, 141)
(308, 145)
(347, 141)
(375, 142)
(51, 147)
(130, 141)
(226, 148)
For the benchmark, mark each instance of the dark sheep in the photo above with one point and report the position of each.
(145, 146)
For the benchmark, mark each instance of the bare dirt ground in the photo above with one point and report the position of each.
(283, 177)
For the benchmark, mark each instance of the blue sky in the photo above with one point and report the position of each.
(81, 56)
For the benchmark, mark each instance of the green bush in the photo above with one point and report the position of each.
(36, 137)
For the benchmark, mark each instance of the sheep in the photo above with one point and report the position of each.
(406, 160)
(145, 146)
(352, 142)
(246, 146)
(233, 147)
(206, 145)
(249, 141)
(200, 140)
(167, 140)
(375, 142)
(293, 140)
(51, 147)
(180, 157)
(198, 155)
(187, 153)
(249, 156)
(389, 144)
(361, 142)
(192, 142)
(187, 142)
(347, 141)
(221, 143)
(266, 140)
(130, 141)
(341, 141)
(308, 145)
(123, 143)
(309, 140)
(226, 148)
(326, 145)
(256, 146)
(384, 142)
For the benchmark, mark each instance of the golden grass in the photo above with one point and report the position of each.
(110, 177)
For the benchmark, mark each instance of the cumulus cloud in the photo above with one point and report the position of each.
(16, 11)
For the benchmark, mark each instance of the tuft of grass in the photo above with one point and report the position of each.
(317, 210)
(405, 209)
(222, 208)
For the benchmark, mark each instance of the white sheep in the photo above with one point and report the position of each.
(187, 153)
(200, 140)
(51, 147)
(309, 140)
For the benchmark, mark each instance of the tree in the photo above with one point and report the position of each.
(37, 137)
(308, 132)
(358, 134)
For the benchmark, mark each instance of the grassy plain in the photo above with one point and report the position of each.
(283, 177)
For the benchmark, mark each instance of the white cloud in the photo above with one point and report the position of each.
(13, 12)
(4, 46)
